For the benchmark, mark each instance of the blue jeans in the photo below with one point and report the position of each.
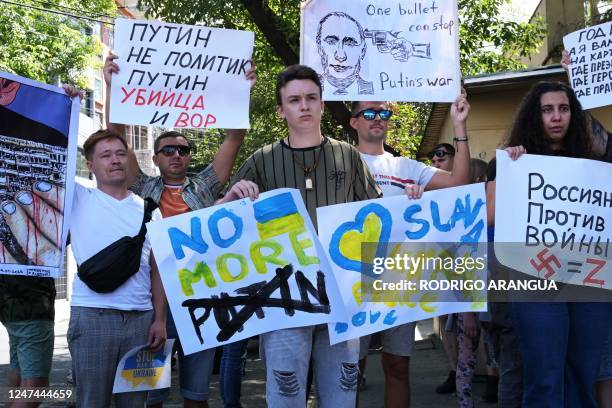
(287, 354)
(195, 371)
(605, 369)
(233, 361)
(561, 344)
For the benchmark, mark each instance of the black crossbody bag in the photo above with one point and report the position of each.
(114, 265)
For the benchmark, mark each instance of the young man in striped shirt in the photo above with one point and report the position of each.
(326, 171)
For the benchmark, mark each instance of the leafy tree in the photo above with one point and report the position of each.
(49, 46)
(488, 44)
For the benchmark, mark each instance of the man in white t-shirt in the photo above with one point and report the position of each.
(395, 176)
(104, 326)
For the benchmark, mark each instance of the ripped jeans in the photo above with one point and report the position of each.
(287, 353)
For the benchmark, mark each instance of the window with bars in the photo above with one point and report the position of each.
(139, 136)
(87, 103)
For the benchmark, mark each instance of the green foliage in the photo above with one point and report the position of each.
(487, 44)
(48, 47)
(407, 126)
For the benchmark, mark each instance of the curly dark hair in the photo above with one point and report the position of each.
(528, 129)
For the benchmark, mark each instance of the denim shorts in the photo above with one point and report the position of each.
(31, 345)
(398, 341)
(605, 369)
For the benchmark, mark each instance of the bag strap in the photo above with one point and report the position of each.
(149, 207)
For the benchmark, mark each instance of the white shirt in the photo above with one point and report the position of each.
(393, 173)
(98, 220)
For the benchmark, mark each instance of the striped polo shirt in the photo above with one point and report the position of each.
(340, 175)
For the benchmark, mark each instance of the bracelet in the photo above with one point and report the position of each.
(465, 139)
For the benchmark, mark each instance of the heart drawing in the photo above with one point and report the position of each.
(372, 224)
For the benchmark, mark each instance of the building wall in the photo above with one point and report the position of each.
(538, 57)
(561, 17)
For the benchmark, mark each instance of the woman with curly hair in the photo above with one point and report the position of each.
(561, 342)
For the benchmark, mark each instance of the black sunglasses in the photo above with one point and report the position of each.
(370, 114)
(438, 153)
(169, 150)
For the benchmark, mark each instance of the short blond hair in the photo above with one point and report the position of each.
(102, 134)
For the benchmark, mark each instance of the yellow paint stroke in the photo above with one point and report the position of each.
(188, 278)
(350, 243)
(280, 226)
(128, 375)
(426, 302)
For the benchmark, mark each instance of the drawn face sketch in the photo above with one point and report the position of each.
(341, 45)
(8, 91)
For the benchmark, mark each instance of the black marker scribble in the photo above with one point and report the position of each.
(255, 297)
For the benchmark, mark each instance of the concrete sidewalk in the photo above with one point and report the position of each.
(428, 369)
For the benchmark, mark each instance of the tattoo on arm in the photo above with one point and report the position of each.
(599, 136)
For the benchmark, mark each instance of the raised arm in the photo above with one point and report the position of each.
(224, 159)
(110, 68)
(135, 173)
(461, 166)
(598, 134)
(226, 156)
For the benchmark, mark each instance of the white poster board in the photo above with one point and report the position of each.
(141, 369)
(38, 143)
(453, 215)
(553, 218)
(244, 268)
(590, 71)
(180, 76)
(381, 50)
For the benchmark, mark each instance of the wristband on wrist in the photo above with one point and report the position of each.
(464, 139)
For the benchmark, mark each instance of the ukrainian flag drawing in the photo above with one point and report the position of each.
(139, 369)
(277, 215)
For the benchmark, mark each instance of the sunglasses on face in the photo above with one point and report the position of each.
(438, 153)
(169, 150)
(370, 114)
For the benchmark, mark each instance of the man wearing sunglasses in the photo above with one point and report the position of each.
(176, 192)
(395, 176)
(442, 156)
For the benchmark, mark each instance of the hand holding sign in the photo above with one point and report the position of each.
(157, 335)
(240, 190)
(460, 110)
(590, 51)
(515, 152)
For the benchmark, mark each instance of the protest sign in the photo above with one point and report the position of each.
(553, 218)
(234, 271)
(181, 76)
(455, 217)
(590, 72)
(141, 369)
(38, 136)
(381, 50)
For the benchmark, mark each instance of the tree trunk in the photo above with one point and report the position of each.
(265, 20)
